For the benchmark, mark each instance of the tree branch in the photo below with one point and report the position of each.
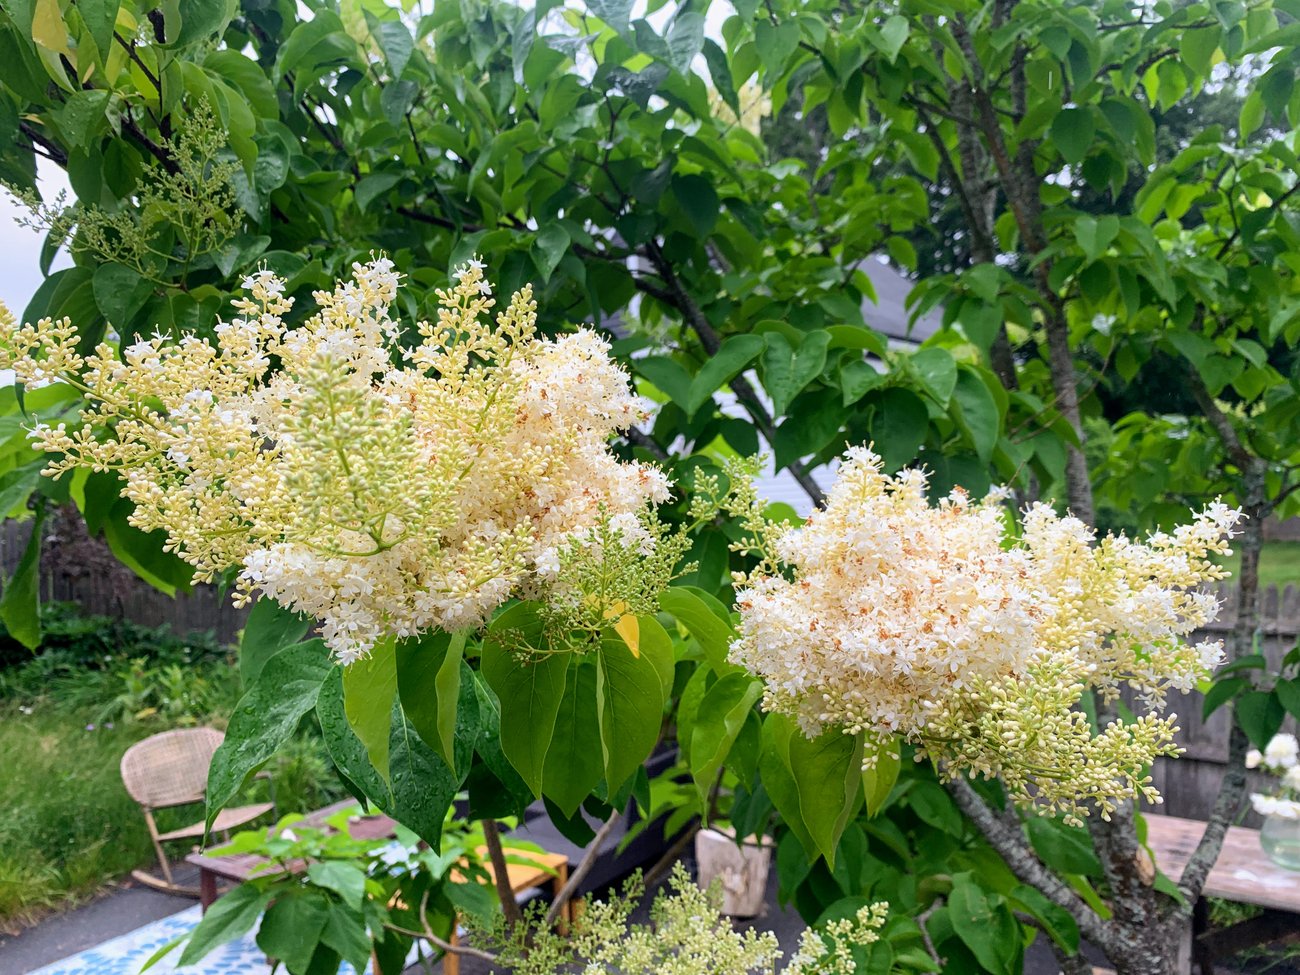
(580, 873)
(639, 438)
(677, 297)
(1012, 847)
(54, 152)
(1233, 787)
(501, 873)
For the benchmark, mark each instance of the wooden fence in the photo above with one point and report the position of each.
(1189, 783)
(81, 570)
(78, 569)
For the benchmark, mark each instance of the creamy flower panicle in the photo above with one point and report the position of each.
(382, 483)
(933, 622)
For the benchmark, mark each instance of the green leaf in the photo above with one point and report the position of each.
(1288, 695)
(247, 77)
(552, 244)
(698, 201)
(1197, 47)
(893, 35)
(269, 629)
(20, 606)
(345, 933)
(736, 353)
(779, 781)
(706, 619)
(613, 12)
(1066, 849)
(394, 39)
(684, 39)
(899, 424)
(937, 370)
(347, 878)
(775, 43)
(1059, 923)
(1073, 130)
(530, 687)
(1095, 234)
(99, 16)
(857, 379)
(878, 781)
(828, 773)
(1251, 116)
(428, 680)
(630, 705)
(292, 928)
(984, 925)
(977, 412)
(667, 374)
(573, 767)
(1260, 715)
(265, 717)
(720, 72)
(503, 774)
(200, 19)
(82, 115)
(369, 689)
(721, 715)
(371, 187)
(229, 918)
(422, 787)
(786, 371)
(1221, 693)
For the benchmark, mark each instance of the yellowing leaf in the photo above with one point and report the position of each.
(48, 29)
(629, 628)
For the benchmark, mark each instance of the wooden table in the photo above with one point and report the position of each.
(1242, 873)
(239, 867)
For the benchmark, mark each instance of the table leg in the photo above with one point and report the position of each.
(207, 888)
(451, 960)
(558, 883)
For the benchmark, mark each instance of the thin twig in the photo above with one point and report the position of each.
(580, 874)
(500, 873)
(655, 873)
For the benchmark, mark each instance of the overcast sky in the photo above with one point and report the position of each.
(20, 270)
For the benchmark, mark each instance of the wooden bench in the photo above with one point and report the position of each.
(1243, 873)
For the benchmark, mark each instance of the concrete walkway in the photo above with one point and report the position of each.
(117, 912)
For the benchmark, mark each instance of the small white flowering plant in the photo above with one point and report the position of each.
(1280, 757)
(977, 638)
(686, 935)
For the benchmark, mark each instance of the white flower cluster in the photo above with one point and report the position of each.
(1281, 757)
(935, 622)
(382, 483)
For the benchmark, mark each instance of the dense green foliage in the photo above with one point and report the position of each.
(1095, 240)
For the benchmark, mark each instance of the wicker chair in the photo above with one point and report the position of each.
(171, 769)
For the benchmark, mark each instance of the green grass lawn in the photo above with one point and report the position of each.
(1279, 564)
(67, 826)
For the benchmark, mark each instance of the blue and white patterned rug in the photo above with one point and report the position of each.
(127, 954)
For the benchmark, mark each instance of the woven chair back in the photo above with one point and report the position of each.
(171, 768)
